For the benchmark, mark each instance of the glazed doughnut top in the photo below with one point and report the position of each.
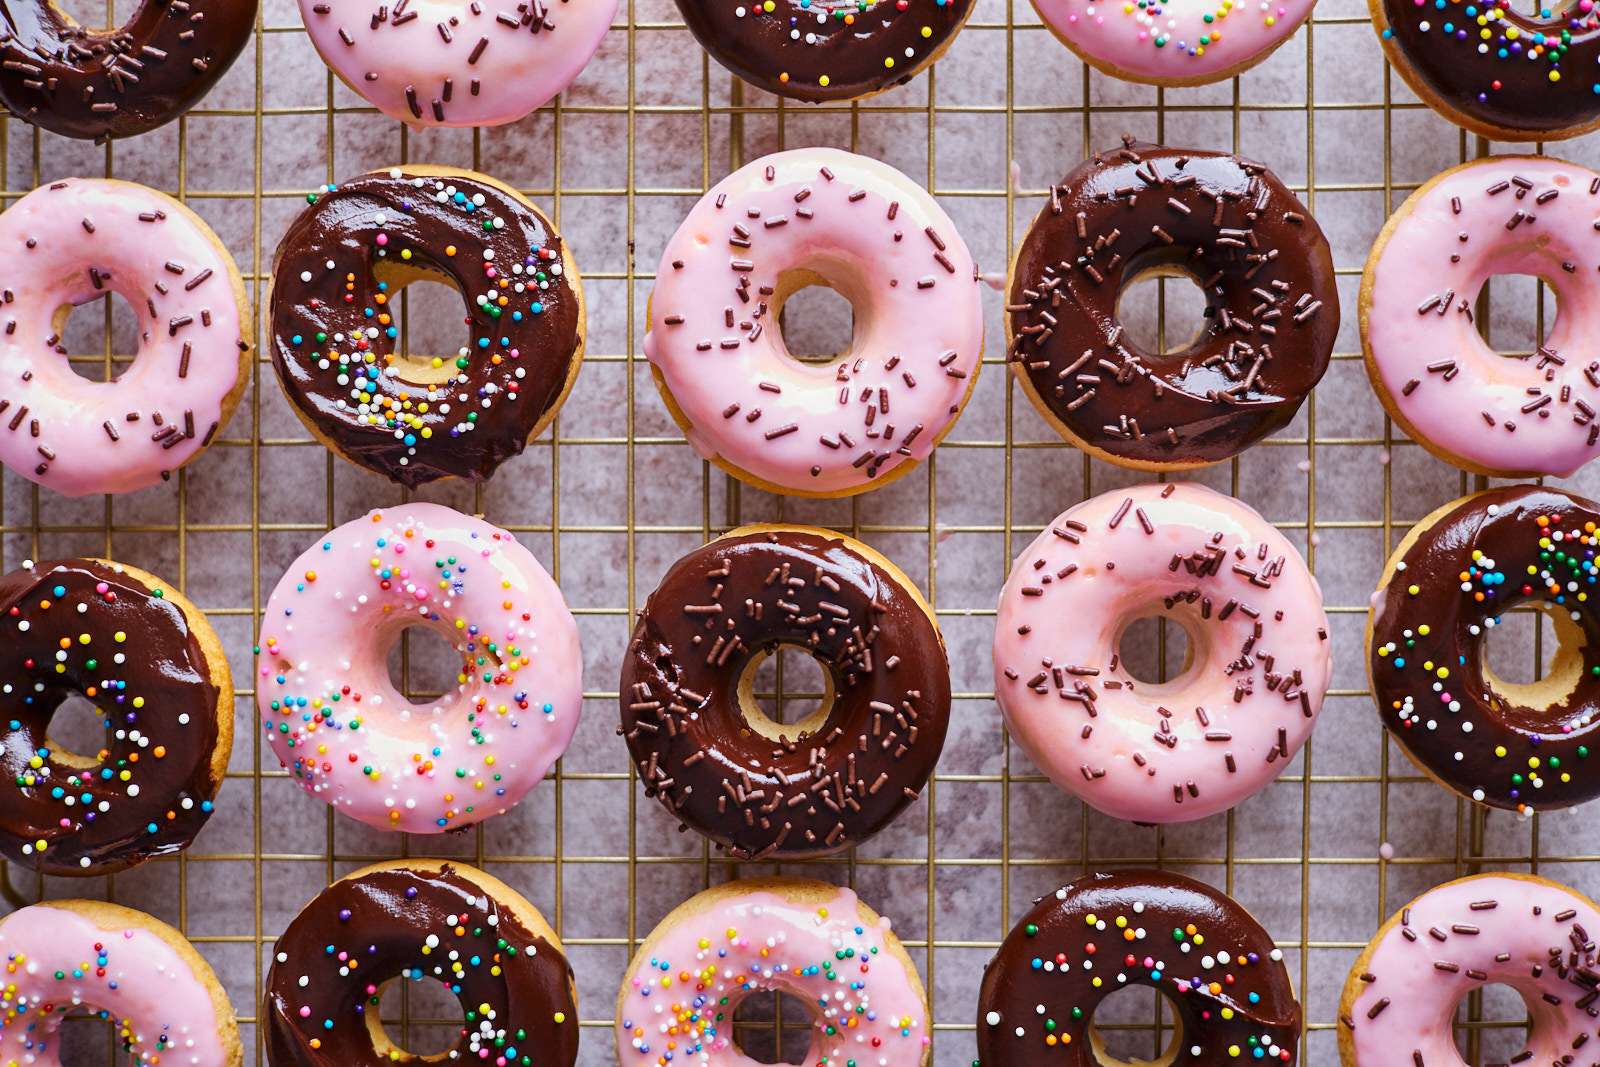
(131, 652)
(1495, 550)
(335, 347)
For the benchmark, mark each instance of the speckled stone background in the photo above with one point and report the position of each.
(613, 496)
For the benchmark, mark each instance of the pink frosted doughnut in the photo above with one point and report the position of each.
(1173, 42)
(807, 217)
(442, 63)
(68, 243)
(1449, 391)
(162, 997)
(343, 730)
(1258, 652)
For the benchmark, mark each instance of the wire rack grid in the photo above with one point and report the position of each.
(990, 833)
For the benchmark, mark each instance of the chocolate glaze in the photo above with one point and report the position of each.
(1450, 67)
(1562, 738)
(1272, 310)
(1057, 933)
(534, 353)
(166, 669)
(719, 607)
(391, 912)
(102, 84)
(757, 46)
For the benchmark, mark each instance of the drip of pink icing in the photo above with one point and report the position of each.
(758, 940)
(1446, 929)
(1075, 591)
(134, 976)
(88, 239)
(880, 241)
(485, 64)
(1163, 40)
(1515, 415)
(338, 723)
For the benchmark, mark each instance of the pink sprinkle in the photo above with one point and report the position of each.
(489, 271)
(101, 588)
(422, 594)
(383, 238)
(344, 956)
(66, 824)
(265, 671)
(1072, 18)
(1143, 36)
(305, 1011)
(399, 548)
(515, 352)
(372, 990)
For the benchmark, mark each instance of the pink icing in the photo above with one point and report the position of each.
(759, 940)
(1163, 41)
(350, 738)
(1444, 927)
(95, 437)
(446, 63)
(138, 979)
(1531, 416)
(1208, 738)
(881, 242)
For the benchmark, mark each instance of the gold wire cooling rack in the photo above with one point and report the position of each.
(990, 833)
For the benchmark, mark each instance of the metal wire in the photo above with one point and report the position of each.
(1463, 848)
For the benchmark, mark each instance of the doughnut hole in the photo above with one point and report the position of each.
(424, 665)
(785, 692)
(79, 732)
(1534, 660)
(1161, 309)
(823, 327)
(1490, 1025)
(93, 14)
(84, 1037)
(428, 314)
(418, 1018)
(772, 1027)
(101, 336)
(1522, 313)
(1134, 1025)
(1153, 649)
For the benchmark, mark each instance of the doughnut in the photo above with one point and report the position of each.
(353, 250)
(74, 241)
(155, 669)
(815, 216)
(406, 61)
(1207, 955)
(350, 738)
(1519, 930)
(833, 51)
(97, 84)
(1180, 42)
(1272, 310)
(811, 940)
(1529, 416)
(162, 996)
(422, 920)
(705, 749)
(1258, 659)
(1523, 747)
(1482, 77)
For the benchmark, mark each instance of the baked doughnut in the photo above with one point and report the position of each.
(1526, 932)
(422, 920)
(1216, 966)
(337, 722)
(708, 753)
(1503, 73)
(809, 939)
(1272, 309)
(1448, 390)
(815, 216)
(1258, 659)
(74, 241)
(166, 1002)
(434, 63)
(102, 84)
(413, 418)
(1501, 744)
(1173, 43)
(152, 664)
(829, 51)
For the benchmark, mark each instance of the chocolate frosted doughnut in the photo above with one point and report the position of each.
(821, 785)
(818, 50)
(422, 920)
(153, 665)
(1449, 582)
(334, 344)
(1204, 952)
(1503, 73)
(1272, 311)
(103, 84)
